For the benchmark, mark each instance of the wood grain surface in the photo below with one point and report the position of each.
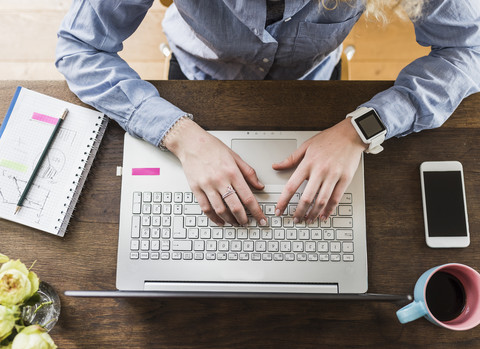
(397, 254)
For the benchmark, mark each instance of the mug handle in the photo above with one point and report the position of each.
(412, 311)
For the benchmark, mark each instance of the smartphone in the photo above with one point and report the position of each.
(444, 204)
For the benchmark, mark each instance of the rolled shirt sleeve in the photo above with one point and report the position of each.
(89, 40)
(428, 90)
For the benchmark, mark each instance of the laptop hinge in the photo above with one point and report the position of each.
(240, 287)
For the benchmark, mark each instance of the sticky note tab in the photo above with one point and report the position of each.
(45, 118)
(148, 171)
(13, 165)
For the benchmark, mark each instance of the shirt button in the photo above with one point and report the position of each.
(266, 60)
(261, 69)
(255, 31)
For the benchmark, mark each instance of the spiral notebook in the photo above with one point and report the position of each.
(23, 135)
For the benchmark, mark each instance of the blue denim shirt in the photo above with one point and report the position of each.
(227, 39)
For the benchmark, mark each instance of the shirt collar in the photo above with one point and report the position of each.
(253, 13)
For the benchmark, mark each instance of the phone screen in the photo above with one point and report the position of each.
(445, 203)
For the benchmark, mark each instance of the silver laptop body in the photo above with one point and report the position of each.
(155, 253)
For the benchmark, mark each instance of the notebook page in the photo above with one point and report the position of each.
(28, 129)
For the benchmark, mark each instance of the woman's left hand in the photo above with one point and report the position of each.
(328, 161)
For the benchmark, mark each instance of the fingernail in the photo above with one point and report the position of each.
(296, 220)
(263, 222)
(261, 184)
(323, 218)
(277, 212)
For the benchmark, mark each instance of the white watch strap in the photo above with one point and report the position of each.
(375, 147)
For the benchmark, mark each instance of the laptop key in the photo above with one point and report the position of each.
(335, 258)
(347, 247)
(147, 197)
(346, 198)
(134, 255)
(181, 245)
(342, 222)
(256, 256)
(278, 256)
(179, 232)
(135, 233)
(136, 208)
(137, 197)
(167, 197)
(301, 257)
(134, 245)
(243, 256)
(344, 234)
(289, 256)
(192, 209)
(157, 197)
(165, 255)
(323, 257)
(267, 256)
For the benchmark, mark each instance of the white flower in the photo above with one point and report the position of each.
(8, 316)
(17, 283)
(33, 337)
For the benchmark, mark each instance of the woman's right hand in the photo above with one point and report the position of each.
(211, 168)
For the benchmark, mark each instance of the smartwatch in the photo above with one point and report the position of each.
(370, 128)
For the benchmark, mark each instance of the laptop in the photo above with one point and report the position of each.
(166, 244)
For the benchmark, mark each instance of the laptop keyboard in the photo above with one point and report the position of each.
(171, 226)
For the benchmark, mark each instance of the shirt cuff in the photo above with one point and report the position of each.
(396, 111)
(152, 120)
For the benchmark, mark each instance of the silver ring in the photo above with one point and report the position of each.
(229, 192)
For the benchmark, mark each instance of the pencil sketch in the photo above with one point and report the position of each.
(66, 135)
(52, 165)
(11, 188)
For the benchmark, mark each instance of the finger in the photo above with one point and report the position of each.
(323, 197)
(334, 198)
(248, 172)
(290, 188)
(236, 208)
(207, 209)
(307, 199)
(293, 159)
(221, 209)
(250, 202)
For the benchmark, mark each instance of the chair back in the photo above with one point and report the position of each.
(166, 3)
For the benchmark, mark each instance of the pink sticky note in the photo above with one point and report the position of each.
(147, 171)
(45, 118)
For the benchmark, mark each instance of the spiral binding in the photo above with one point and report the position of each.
(81, 175)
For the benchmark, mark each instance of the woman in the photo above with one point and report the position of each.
(255, 40)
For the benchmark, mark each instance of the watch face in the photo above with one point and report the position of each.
(370, 124)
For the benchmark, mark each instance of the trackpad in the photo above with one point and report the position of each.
(262, 153)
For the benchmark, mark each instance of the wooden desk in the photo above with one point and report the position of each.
(397, 254)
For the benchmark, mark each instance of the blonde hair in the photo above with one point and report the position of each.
(378, 8)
